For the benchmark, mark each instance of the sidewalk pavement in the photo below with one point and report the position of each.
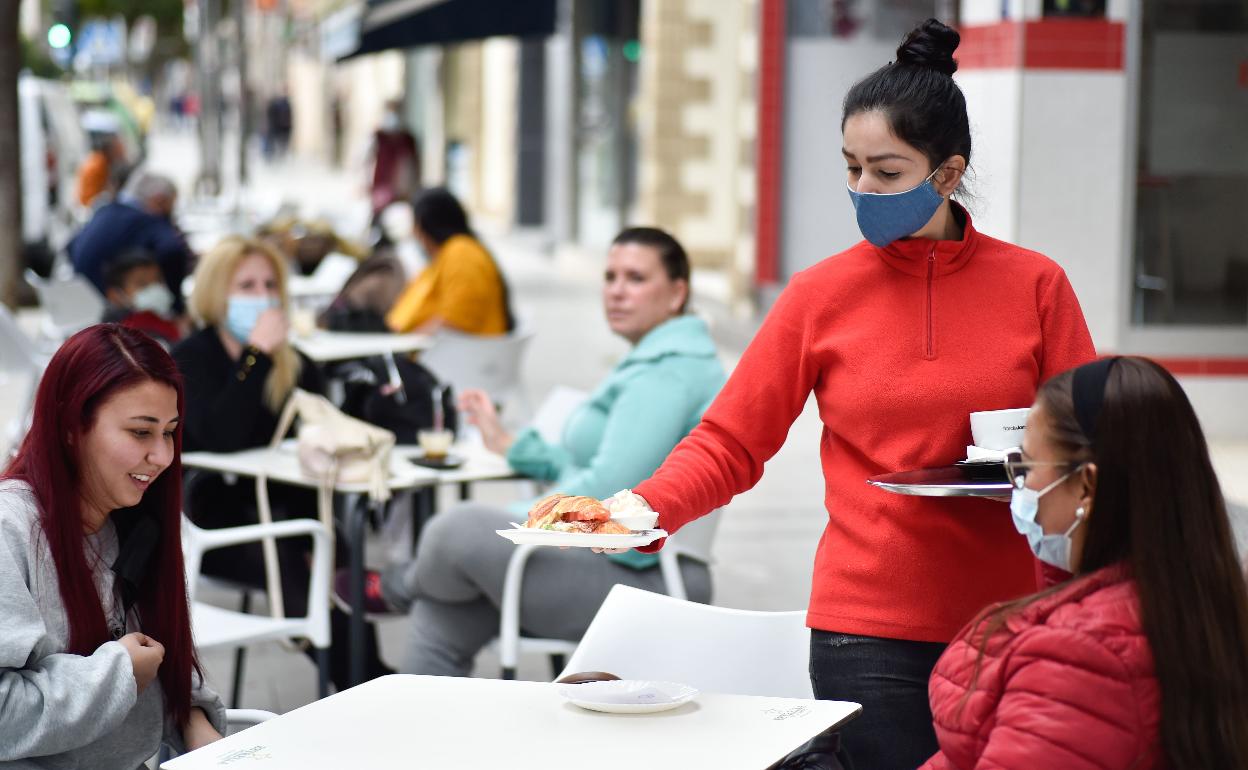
(766, 542)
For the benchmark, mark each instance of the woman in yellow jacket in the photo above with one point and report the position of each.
(462, 287)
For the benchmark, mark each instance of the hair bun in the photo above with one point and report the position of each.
(931, 44)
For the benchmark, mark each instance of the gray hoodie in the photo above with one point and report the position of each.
(59, 710)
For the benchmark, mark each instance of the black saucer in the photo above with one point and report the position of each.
(447, 463)
(982, 471)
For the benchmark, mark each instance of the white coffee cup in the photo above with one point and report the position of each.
(998, 429)
(436, 444)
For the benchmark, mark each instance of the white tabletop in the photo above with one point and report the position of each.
(480, 464)
(282, 464)
(322, 346)
(442, 722)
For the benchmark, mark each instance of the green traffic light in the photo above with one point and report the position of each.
(59, 36)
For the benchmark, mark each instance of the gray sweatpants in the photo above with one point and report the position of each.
(455, 589)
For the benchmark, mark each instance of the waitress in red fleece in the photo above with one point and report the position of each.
(1140, 661)
(900, 337)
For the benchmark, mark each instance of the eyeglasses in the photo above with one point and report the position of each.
(1016, 468)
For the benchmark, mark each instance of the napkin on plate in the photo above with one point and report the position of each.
(976, 454)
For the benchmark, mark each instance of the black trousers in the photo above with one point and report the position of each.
(889, 678)
(213, 504)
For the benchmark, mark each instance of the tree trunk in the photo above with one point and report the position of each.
(10, 158)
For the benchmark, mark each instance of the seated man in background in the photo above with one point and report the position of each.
(138, 298)
(143, 219)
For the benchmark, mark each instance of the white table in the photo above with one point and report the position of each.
(323, 346)
(442, 722)
(282, 465)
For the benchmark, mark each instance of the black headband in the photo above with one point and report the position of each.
(1088, 392)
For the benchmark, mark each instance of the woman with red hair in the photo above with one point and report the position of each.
(97, 665)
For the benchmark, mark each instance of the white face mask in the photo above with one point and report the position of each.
(1050, 549)
(154, 297)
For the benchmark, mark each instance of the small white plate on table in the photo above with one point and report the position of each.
(521, 535)
(628, 696)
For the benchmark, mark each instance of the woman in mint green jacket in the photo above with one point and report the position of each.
(619, 436)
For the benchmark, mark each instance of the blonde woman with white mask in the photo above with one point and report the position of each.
(239, 370)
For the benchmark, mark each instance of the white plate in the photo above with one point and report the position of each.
(523, 536)
(628, 696)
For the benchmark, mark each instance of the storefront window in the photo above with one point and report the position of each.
(879, 19)
(1191, 256)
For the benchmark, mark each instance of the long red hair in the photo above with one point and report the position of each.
(85, 372)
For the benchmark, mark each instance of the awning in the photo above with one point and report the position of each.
(389, 24)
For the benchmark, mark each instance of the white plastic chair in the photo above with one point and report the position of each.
(490, 363)
(218, 627)
(20, 368)
(237, 720)
(71, 303)
(642, 635)
(693, 541)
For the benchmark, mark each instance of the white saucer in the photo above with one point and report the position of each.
(628, 696)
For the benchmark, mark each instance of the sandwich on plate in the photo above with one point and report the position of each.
(573, 513)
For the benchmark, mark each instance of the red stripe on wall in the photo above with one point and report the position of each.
(1048, 44)
(770, 142)
(1208, 367)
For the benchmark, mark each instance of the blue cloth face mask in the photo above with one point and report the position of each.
(1053, 550)
(242, 313)
(885, 217)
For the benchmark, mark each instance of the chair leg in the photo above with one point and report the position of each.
(240, 658)
(557, 662)
(465, 490)
(322, 672)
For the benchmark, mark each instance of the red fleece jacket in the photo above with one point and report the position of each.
(899, 345)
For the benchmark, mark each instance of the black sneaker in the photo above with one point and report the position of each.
(374, 602)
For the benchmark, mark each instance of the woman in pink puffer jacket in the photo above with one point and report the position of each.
(1141, 659)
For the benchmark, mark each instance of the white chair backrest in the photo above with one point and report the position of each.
(641, 635)
(334, 269)
(17, 352)
(553, 413)
(695, 538)
(71, 302)
(490, 363)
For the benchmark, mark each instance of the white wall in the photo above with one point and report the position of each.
(993, 105)
(1073, 127)
(817, 218)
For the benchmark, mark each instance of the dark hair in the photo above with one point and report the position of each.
(439, 215)
(115, 272)
(87, 370)
(917, 95)
(1158, 509)
(671, 253)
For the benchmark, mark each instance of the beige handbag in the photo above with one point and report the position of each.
(333, 448)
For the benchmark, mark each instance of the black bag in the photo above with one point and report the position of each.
(366, 386)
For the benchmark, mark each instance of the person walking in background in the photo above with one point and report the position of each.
(462, 287)
(900, 337)
(453, 589)
(395, 160)
(143, 220)
(103, 170)
(278, 124)
(97, 666)
(239, 369)
(1140, 660)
